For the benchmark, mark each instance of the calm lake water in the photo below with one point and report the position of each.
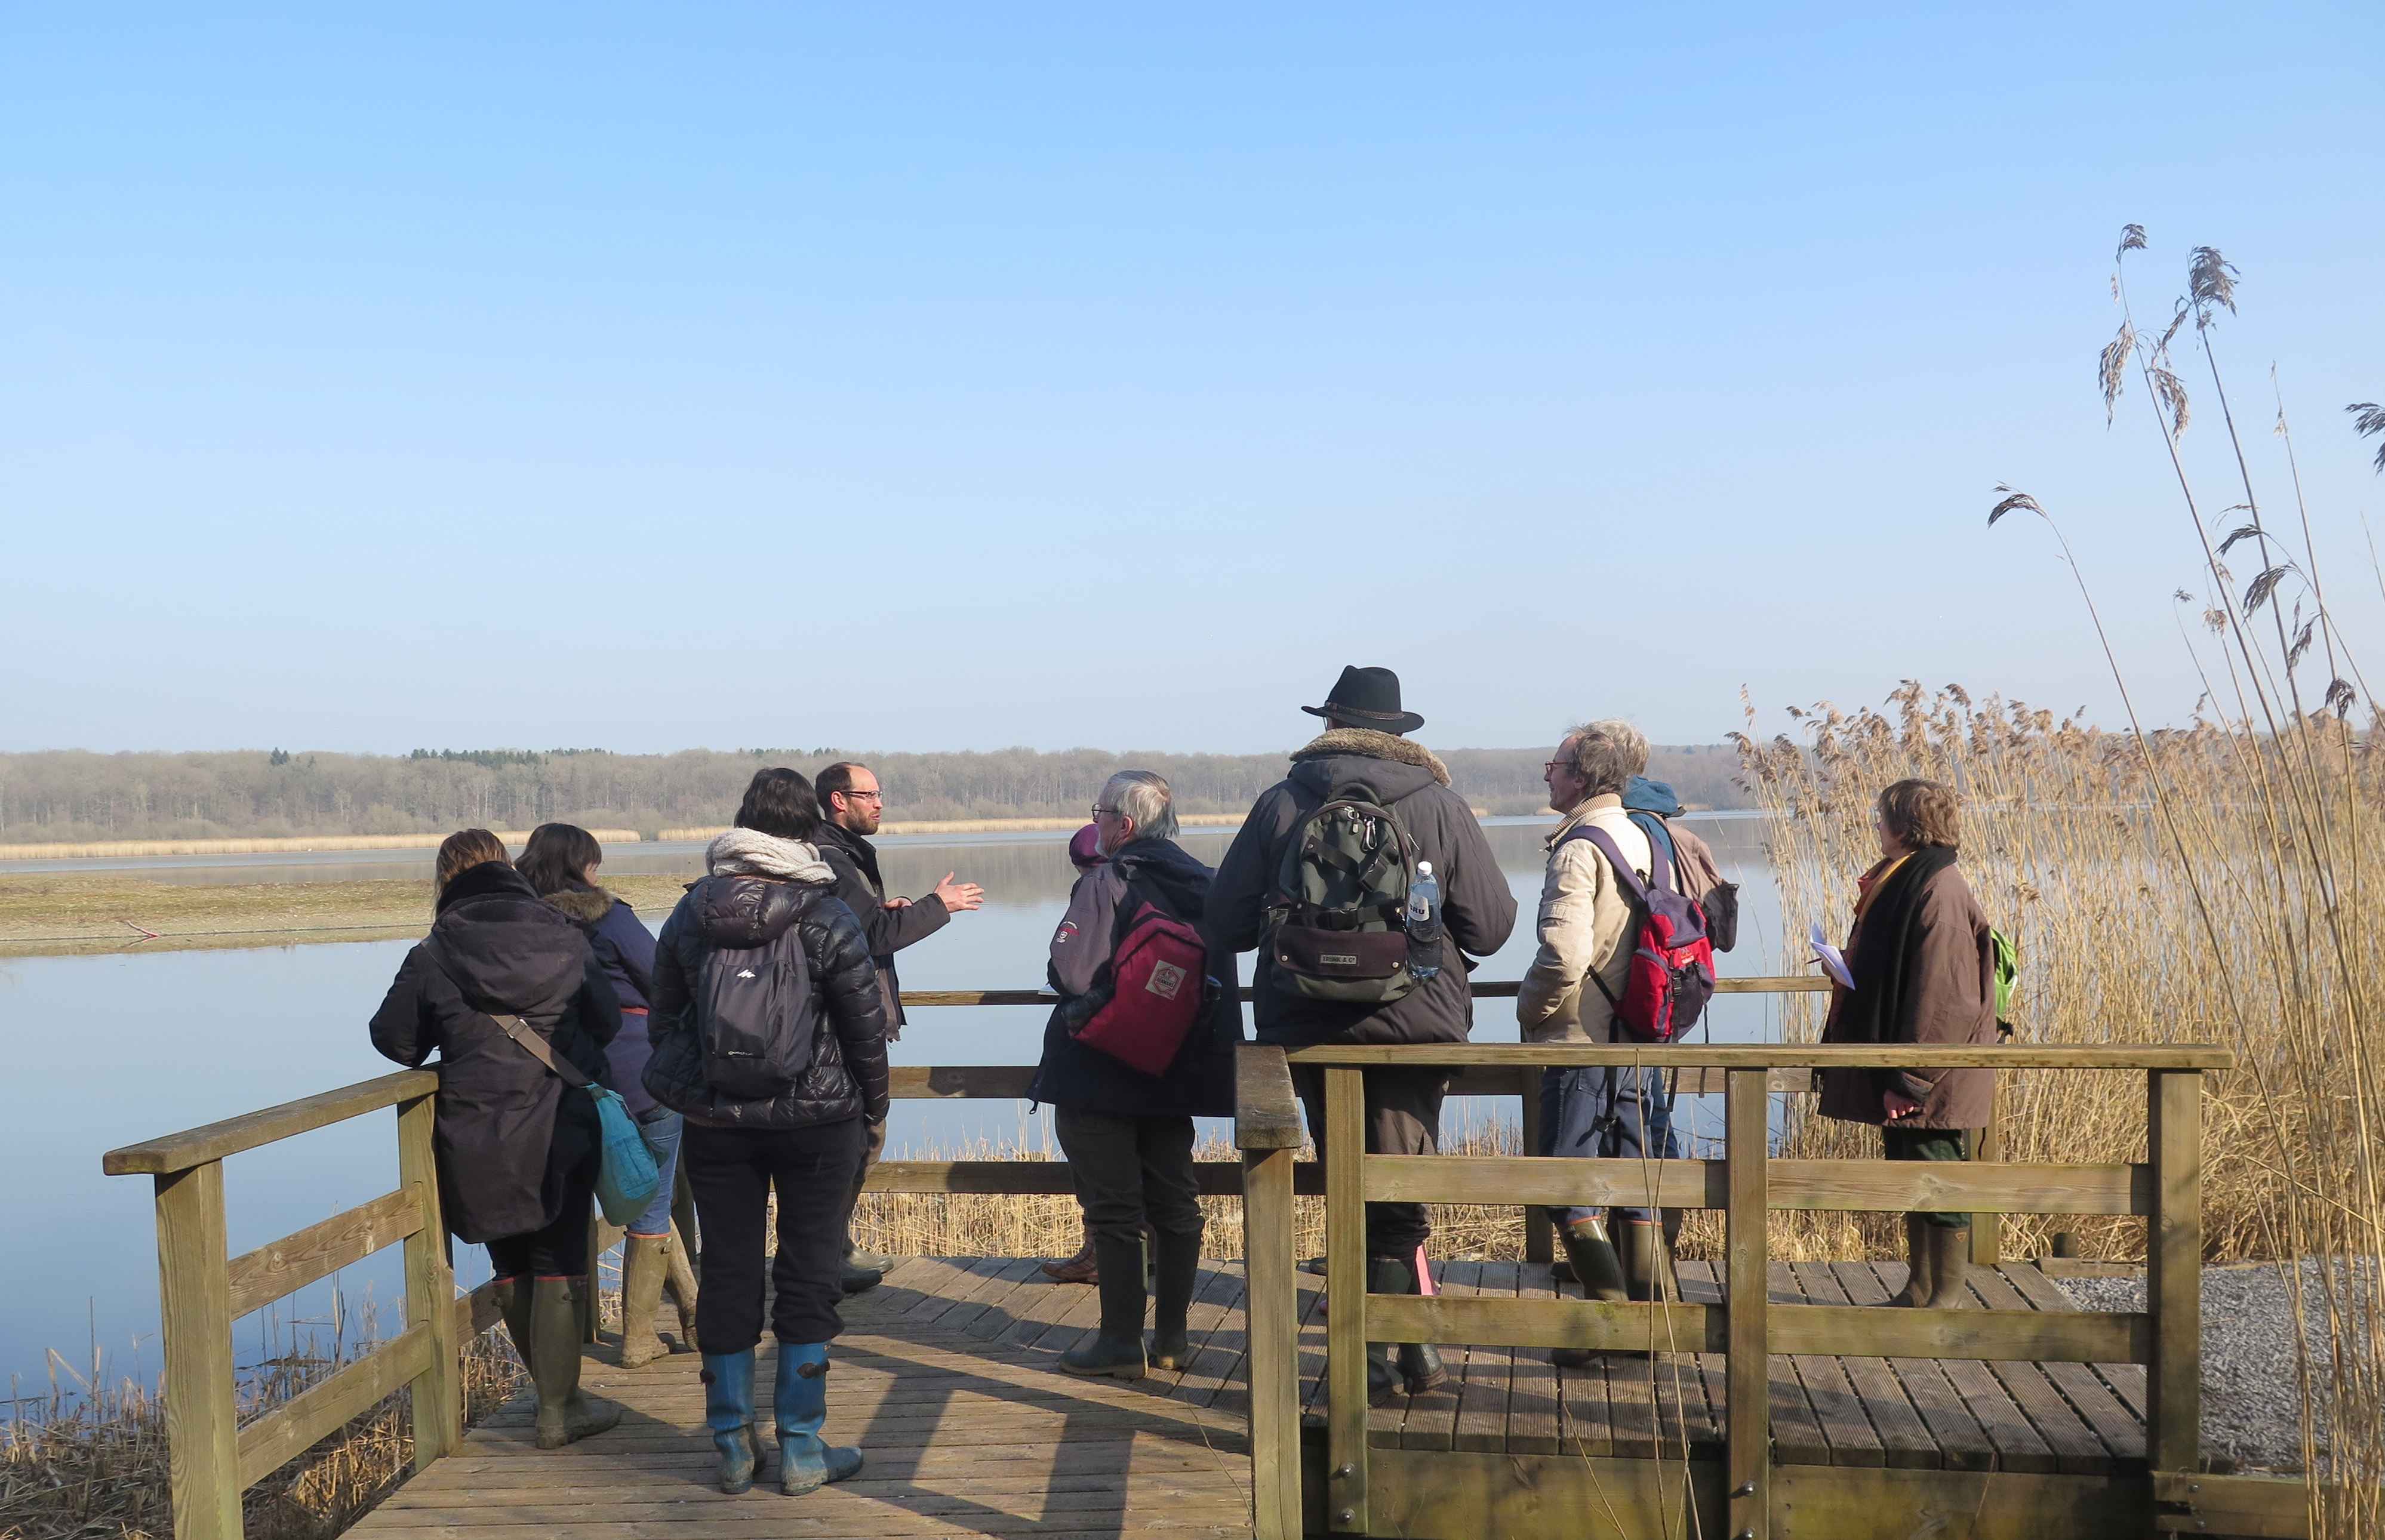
(104, 1050)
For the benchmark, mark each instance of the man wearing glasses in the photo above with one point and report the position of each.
(851, 807)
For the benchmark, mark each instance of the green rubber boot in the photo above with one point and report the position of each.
(565, 1416)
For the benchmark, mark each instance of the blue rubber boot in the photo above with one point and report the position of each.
(806, 1462)
(728, 1413)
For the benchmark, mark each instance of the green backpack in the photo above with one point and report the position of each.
(2007, 963)
(1337, 925)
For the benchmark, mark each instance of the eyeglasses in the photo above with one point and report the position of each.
(863, 796)
(1099, 810)
(1547, 766)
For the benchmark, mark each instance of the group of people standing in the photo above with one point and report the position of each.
(792, 911)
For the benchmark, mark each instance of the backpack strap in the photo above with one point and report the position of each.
(1660, 871)
(520, 1032)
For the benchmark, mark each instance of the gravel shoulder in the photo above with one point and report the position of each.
(2252, 1387)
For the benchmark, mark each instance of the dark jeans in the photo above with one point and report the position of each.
(1579, 1116)
(1403, 1118)
(1930, 1144)
(1130, 1169)
(560, 1250)
(733, 1171)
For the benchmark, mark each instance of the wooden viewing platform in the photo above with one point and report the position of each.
(1776, 1401)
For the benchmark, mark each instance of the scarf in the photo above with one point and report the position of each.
(752, 853)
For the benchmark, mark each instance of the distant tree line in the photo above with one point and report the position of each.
(69, 794)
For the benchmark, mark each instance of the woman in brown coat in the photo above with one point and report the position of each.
(1924, 972)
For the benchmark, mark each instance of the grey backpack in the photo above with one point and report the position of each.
(754, 1017)
(1337, 927)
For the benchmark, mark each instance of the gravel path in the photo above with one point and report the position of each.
(2252, 1395)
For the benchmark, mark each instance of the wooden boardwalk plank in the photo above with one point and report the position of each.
(945, 1379)
(1904, 1436)
(1534, 1426)
(1848, 1437)
(1483, 1396)
(1797, 1434)
(1963, 1445)
(2126, 1379)
(2075, 1447)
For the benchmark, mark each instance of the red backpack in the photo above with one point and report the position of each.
(1158, 975)
(1672, 974)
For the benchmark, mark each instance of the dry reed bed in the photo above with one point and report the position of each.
(265, 845)
(90, 1464)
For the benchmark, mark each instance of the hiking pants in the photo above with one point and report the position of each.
(1620, 1114)
(733, 1171)
(1128, 1169)
(1403, 1118)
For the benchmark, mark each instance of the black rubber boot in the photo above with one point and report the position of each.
(1177, 1272)
(1420, 1366)
(1116, 1351)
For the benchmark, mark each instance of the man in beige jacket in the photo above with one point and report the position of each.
(1586, 926)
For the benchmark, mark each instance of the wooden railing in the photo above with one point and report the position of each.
(1379, 1491)
(202, 1289)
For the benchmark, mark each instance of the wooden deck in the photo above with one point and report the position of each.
(946, 1377)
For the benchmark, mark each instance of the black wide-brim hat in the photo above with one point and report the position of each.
(1369, 698)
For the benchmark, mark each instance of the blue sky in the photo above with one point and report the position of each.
(655, 378)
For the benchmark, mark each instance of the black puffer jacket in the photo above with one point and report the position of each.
(847, 1076)
(508, 1133)
(1477, 909)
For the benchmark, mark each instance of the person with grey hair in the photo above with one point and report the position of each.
(1128, 957)
(1567, 994)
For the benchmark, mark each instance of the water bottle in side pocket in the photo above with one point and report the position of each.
(1423, 924)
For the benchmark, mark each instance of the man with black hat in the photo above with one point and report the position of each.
(1364, 757)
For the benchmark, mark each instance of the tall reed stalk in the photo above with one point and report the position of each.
(2209, 882)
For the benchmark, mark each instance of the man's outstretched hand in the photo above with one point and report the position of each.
(958, 896)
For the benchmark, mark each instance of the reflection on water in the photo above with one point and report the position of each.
(104, 1051)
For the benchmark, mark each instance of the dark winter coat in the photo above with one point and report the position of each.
(1925, 973)
(508, 1131)
(624, 950)
(847, 1076)
(854, 861)
(1201, 1082)
(1478, 910)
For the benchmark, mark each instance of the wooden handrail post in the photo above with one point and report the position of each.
(1345, 1293)
(1748, 1433)
(2174, 1270)
(1274, 1304)
(194, 1310)
(437, 1394)
(1539, 1235)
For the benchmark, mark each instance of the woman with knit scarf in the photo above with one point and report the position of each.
(1924, 972)
(769, 901)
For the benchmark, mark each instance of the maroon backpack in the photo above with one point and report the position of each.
(1157, 974)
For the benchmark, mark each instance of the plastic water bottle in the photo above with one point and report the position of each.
(1423, 924)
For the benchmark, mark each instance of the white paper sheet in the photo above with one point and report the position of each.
(1833, 961)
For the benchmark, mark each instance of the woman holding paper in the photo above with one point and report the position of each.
(1920, 969)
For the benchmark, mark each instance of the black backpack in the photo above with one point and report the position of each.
(753, 1012)
(1337, 924)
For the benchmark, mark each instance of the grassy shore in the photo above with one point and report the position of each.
(72, 912)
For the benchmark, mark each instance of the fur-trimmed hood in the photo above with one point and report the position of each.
(587, 905)
(1367, 743)
(749, 852)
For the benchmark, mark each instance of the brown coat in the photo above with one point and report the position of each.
(1952, 972)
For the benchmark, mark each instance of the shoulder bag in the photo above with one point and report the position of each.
(626, 1176)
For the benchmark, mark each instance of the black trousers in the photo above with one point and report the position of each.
(1403, 1118)
(560, 1250)
(733, 1171)
(1129, 1168)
